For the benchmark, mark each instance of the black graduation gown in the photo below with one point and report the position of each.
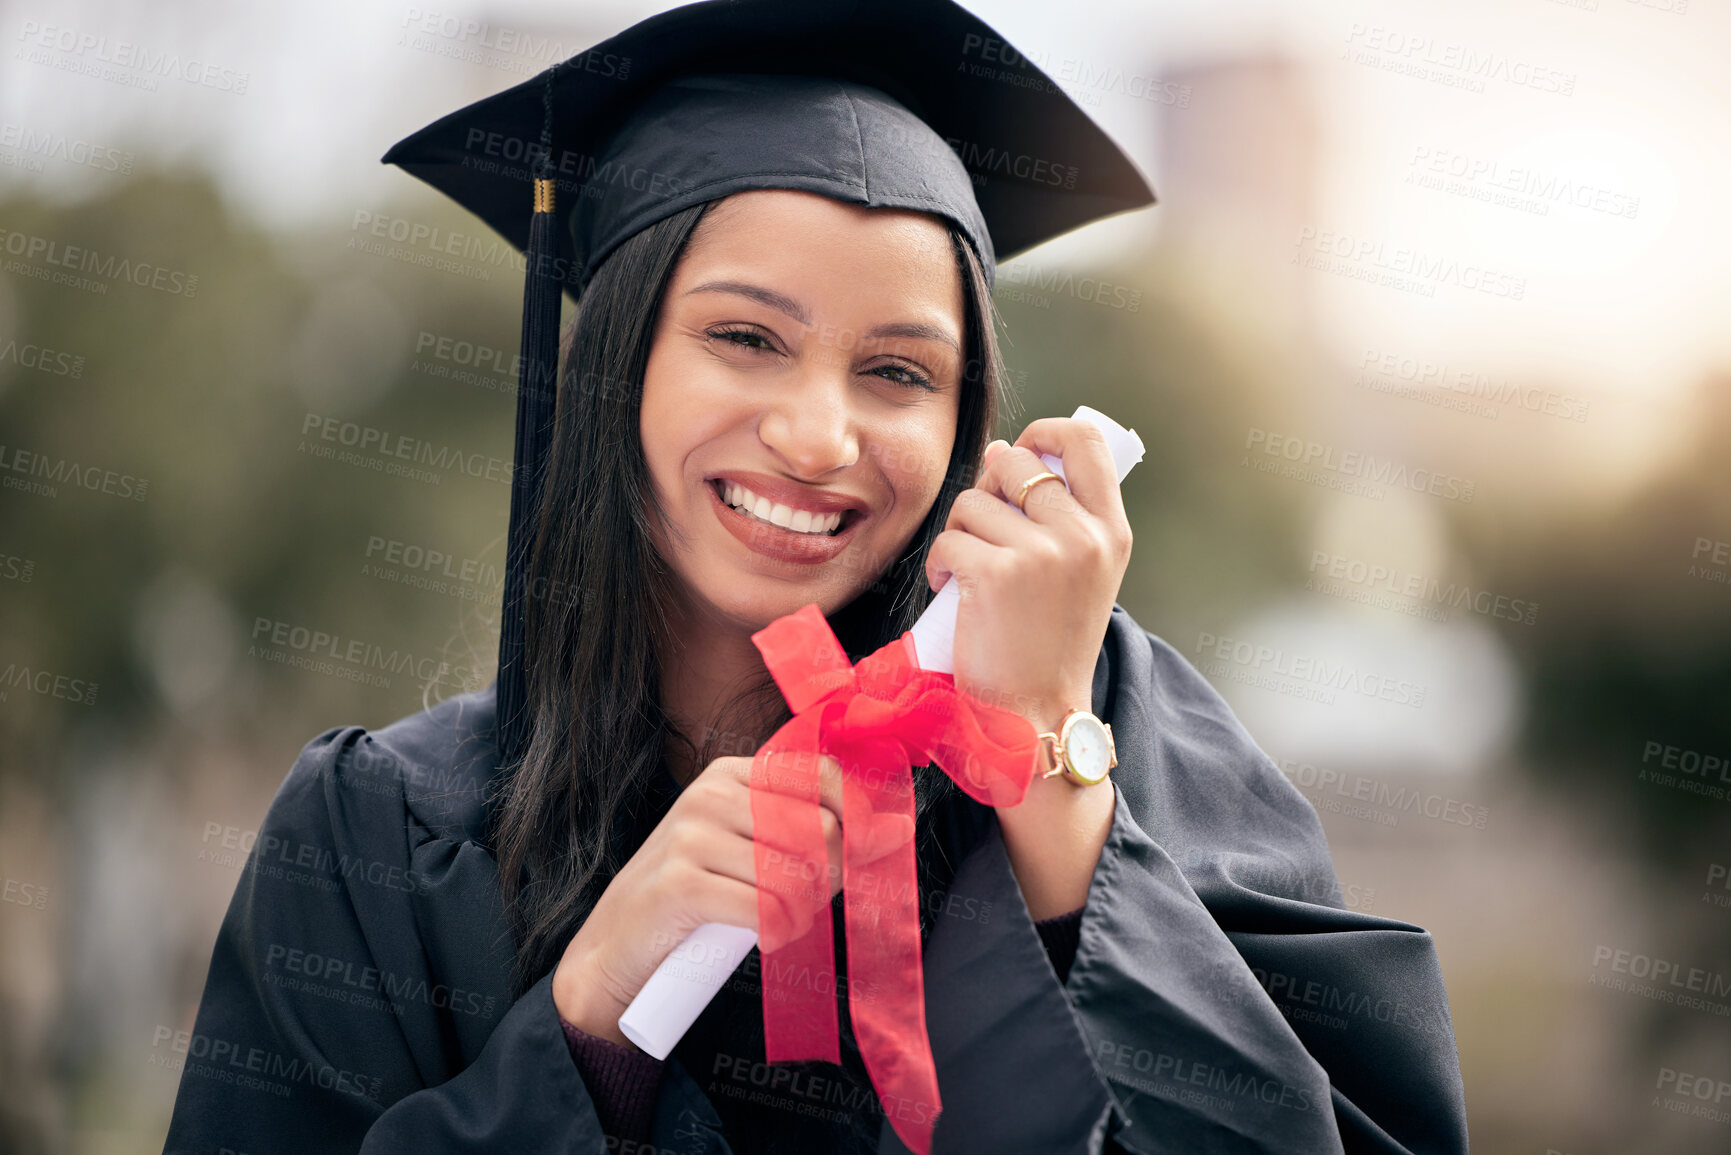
(1222, 997)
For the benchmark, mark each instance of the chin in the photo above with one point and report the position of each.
(776, 599)
(753, 600)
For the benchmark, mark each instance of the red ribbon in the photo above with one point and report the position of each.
(878, 720)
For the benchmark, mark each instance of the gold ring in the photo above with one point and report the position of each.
(1022, 493)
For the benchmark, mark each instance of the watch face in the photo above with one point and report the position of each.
(1086, 750)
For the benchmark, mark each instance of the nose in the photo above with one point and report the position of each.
(811, 426)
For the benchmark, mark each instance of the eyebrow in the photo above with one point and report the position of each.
(782, 303)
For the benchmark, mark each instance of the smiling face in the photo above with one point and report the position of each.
(807, 363)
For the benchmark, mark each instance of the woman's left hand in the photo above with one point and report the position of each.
(1037, 591)
(1037, 594)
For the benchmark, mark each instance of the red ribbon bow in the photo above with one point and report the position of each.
(878, 720)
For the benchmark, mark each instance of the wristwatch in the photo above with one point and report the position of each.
(1081, 749)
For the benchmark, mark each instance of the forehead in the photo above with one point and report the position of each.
(808, 228)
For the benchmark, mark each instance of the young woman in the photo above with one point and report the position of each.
(813, 355)
(772, 397)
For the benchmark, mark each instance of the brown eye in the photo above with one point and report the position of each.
(902, 375)
(741, 338)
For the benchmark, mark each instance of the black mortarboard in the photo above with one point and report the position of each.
(886, 103)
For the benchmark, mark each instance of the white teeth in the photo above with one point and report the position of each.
(799, 521)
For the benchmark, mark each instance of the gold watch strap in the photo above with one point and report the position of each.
(1050, 761)
(1052, 750)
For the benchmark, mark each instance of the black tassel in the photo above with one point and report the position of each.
(536, 390)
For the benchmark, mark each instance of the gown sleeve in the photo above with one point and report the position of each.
(1222, 998)
(622, 1082)
(352, 1003)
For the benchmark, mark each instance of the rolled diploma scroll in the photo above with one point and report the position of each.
(689, 977)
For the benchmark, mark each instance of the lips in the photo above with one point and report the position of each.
(794, 495)
(805, 520)
(772, 541)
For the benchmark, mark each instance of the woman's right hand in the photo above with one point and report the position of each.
(698, 865)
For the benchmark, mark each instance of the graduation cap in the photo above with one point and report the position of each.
(912, 104)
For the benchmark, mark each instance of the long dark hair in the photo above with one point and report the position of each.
(578, 804)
